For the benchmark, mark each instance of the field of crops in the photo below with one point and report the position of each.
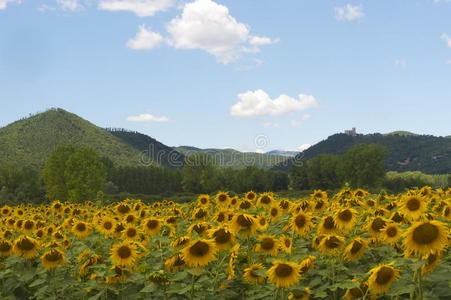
(349, 245)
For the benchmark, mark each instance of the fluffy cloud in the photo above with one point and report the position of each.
(447, 39)
(295, 123)
(306, 117)
(303, 147)
(270, 124)
(448, 62)
(142, 8)
(349, 12)
(3, 3)
(258, 103)
(400, 63)
(147, 118)
(145, 39)
(261, 40)
(72, 5)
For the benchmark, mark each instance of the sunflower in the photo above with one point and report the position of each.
(26, 246)
(203, 200)
(123, 209)
(327, 225)
(331, 243)
(262, 223)
(355, 249)
(231, 264)
(397, 217)
(391, 233)
(307, 264)
(124, 254)
(250, 196)
(246, 204)
(40, 233)
(316, 241)
(243, 224)
(284, 274)
(446, 213)
(268, 245)
(356, 292)
(81, 229)
(175, 263)
(425, 237)
(5, 211)
(275, 213)
(118, 229)
(299, 294)
(130, 218)
(199, 252)
(131, 233)
(251, 276)
(200, 214)
(301, 223)
(152, 226)
(52, 258)
(223, 237)
(180, 242)
(286, 243)
(200, 228)
(432, 260)
(412, 207)
(285, 205)
(222, 199)
(106, 225)
(6, 248)
(381, 278)
(375, 226)
(345, 218)
(318, 205)
(265, 199)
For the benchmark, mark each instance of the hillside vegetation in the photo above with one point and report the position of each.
(425, 153)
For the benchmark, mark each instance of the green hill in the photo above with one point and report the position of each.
(28, 142)
(401, 133)
(236, 159)
(425, 153)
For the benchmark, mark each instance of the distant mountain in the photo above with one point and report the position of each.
(401, 133)
(28, 142)
(235, 159)
(283, 153)
(405, 152)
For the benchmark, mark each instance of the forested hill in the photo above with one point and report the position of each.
(28, 142)
(150, 148)
(235, 159)
(405, 152)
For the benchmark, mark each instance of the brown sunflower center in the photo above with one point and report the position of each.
(431, 258)
(5, 246)
(370, 203)
(345, 215)
(251, 196)
(391, 231)
(446, 212)
(356, 246)
(329, 223)
(203, 200)
(284, 204)
(107, 225)
(124, 252)
(245, 204)
(28, 225)
(265, 200)
(221, 236)
(384, 275)
(319, 204)
(131, 232)
(262, 221)
(53, 256)
(425, 234)
(200, 214)
(130, 219)
(332, 242)
(243, 221)
(267, 244)
(199, 228)
(199, 249)
(377, 224)
(80, 227)
(274, 212)
(152, 224)
(413, 204)
(300, 221)
(123, 209)
(222, 198)
(287, 243)
(284, 270)
(26, 245)
(220, 217)
(119, 228)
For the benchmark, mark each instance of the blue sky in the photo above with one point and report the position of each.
(251, 75)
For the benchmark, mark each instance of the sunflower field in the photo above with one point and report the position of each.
(352, 245)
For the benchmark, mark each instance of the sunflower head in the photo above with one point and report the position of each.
(268, 245)
(250, 196)
(203, 200)
(124, 254)
(199, 252)
(412, 207)
(425, 237)
(253, 274)
(26, 246)
(284, 274)
(52, 258)
(223, 237)
(331, 244)
(381, 278)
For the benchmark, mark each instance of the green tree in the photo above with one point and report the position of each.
(73, 173)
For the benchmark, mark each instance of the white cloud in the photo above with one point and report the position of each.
(208, 26)
(306, 117)
(400, 63)
(145, 39)
(3, 3)
(349, 12)
(261, 40)
(447, 39)
(147, 118)
(142, 8)
(270, 124)
(303, 147)
(72, 5)
(260, 151)
(448, 62)
(295, 123)
(258, 103)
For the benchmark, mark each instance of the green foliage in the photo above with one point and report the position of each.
(361, 166)
(398, 182)
(73, 173)
(425, 153)
(235, 159)
(18, 185)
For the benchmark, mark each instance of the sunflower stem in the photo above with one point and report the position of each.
(420, 283)
(192, 286)
(332, 266)
(218, 267)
